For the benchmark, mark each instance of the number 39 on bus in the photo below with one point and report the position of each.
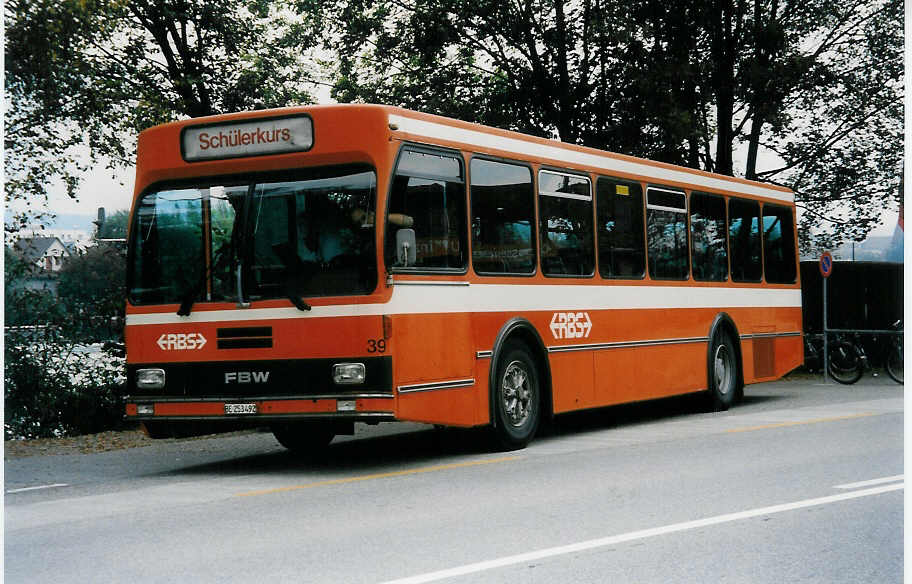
(308, 268)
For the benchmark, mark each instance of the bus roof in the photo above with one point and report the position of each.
(432, 129)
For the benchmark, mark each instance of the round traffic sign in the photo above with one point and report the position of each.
(826, 264)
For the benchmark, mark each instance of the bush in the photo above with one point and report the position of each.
(55, 387)
(58, 380)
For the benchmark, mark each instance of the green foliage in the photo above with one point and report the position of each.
(69, 85)
(52, 389)
(696, 82)
(57, 380)
(115, 225)
(92, 291)
(816, 83)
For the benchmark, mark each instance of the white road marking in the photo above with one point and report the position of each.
(634, 535)
(871, 482)
(37, 488)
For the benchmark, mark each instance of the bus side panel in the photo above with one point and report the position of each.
(452, 407)
(790, 354)
(431, 352)
(573, 379)
(666, 361)
(482, 396)
(620, 375)
(627, 375)
(766, 355)
(767, 359)
(635, 374)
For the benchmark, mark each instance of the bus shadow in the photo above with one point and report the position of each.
(632, 414)
(363, 455)
(439, 446)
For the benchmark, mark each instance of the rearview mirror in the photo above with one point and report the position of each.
(405, 246)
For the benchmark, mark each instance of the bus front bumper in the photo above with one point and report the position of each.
(364, 408)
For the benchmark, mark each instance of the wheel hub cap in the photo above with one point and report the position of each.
(516, 394)
(722, 368)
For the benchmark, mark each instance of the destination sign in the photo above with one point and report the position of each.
(248, 138)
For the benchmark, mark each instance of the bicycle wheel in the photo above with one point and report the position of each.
(895, 363)
(845, 362)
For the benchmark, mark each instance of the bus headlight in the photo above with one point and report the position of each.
(150, 378)
(348, 373)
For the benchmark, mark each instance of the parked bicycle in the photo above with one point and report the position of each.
(894, 361)
(845, 362)
(849, 358)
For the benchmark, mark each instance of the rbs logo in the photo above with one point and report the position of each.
(571, 325)
(181, 341)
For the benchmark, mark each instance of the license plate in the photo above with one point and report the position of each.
(344, 405)
(240, 408)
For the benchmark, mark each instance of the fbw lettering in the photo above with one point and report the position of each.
(571, 325)
(246, 376)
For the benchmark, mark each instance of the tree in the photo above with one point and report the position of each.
(115, 225)
(55, 382)
(92, 288)
(815, 82)
(96, 72)
(819, 84)
(545, 68)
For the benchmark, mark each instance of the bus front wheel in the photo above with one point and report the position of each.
(517, 397)
(723, 372)
(304, 437)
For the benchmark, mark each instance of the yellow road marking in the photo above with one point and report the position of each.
(802, 422)
(383, 475)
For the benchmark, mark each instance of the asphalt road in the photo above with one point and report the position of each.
(801, 482)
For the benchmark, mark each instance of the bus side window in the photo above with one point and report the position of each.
(744, 240)
(778, 245)
(622, 252)
(503, 218)
(428, 195)
(708, 243)
(565, 224)
(666, 233)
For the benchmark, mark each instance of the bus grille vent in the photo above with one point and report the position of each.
(764, 357)
(257, 337)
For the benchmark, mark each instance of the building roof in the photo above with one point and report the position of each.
(33, 248)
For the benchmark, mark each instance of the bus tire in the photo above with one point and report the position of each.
(157, 430)
(305, 438)
(517, 397)
(845, 365)
(722, 373)
(894, 363)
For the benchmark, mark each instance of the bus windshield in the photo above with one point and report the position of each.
(311, 234)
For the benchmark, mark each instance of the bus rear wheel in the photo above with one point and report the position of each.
(304, 438)
(722, 373)
(517, 398)
(895, 363)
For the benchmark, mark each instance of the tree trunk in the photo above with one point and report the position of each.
(753, 144)
(724, 51)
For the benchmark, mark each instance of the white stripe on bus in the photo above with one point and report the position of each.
(513, 298)
(604, 163)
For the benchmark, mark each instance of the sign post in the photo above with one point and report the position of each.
(826, 268)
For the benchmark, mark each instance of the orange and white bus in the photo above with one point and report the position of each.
(309, 268)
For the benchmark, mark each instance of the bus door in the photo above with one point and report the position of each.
(426, 254)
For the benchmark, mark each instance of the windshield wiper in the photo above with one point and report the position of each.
(293, 266)
(190, 297)
(298, 301)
